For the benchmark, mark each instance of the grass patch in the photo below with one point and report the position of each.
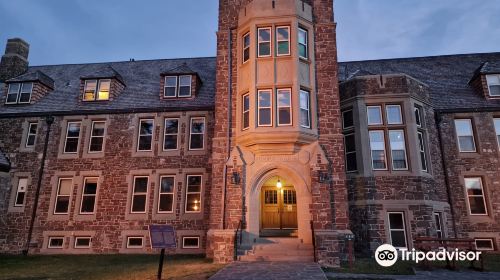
(370, 266)
(106, 267)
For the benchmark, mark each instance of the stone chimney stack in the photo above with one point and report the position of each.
(15, 60)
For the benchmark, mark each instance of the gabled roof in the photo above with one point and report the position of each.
(179, 70)
(142, 80)
(4, 163)
(103, 73)
(32, 76)
(447, 76)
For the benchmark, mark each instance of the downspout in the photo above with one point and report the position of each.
(49, 120)
(445, 171)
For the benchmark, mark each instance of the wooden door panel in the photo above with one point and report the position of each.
(270, 209)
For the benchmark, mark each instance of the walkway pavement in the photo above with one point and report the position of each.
(270, 271)
(421, 275)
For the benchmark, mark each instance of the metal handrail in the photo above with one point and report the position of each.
(238, 240)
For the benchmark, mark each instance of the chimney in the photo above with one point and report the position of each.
(15, 60)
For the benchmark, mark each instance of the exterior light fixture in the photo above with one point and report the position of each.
(278, 184)
(235, 179)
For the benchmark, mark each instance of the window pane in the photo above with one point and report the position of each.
(348, 119)
(27, 87)
(398, 150)
(473, 186)
(264, 99)
(477, 205)
(170, 142)
(73, 129)
(394, 114)
(284, 116)
(171, 126)
(466, 143)
(497, 129)
(14, 88)
(377, 146)
(464, 127)
(170, 81)
(282, 33)
(141, 185)
(82, 242)
(56, 242)
(283, 98)
(264, 116)
(166, 203)
(398, 239)
(167, 185)
(193, 202)
(196, 141)
(194, 184)
(495, 90)
(302, 36)
(90, 186)
(145, 143)
(418, 115)
(65, 186)
(374, 115)
(484, 244)
(190, 242)
(62, 204)
(246, 40)
(350, 145)
(25, 97)
(90, 90)
(20, 199)
(302, 46)
(264, 49)
(88, 203)
(146, 127)
(197, 126)
(135, 242)
(139, 203)
(283, 48)
(396, 221)
(11, 98)
(170, 91)
(98, 129)
(185, 80)
(264, 35)
(104, 86)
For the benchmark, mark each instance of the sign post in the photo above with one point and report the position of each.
(162, 237)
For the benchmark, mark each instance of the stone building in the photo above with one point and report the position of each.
(271, 144)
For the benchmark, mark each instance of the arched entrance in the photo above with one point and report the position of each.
(278, 209)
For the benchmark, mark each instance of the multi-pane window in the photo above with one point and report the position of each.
(171, 134)
(166, 194)
(302, 43)
(139, 194)
(475, 195)
(421, 150)
(347, 119)
(374, 115)
(31, 136)
(271, 197)
(418, 116)
(246, 47)
(19, 93)
(264, 112)
(484, 244)
(350, 152)
(89, 91)
(96, 142)
(284, 101)
(497, 130)
(197, 134)
(82, 242)
(439, 224)
(63, 195)
(178, 86)
(493, 84)
(190, 242)
(55, 242)
(193, 194)
(134, 242)
(305, 109)
(104, 87)
(89, 194)
(246, 111)
(22, 186)
(96, 90)
(465, 135)
(264, 42)
(397, 229)
(398, 149)
(145, 141)
(377, 146)
(289, 197)
(393, 114)
(283, 40)
(72, 138)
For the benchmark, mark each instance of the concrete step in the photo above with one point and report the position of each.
(281, 247)
(249, 258)
(281, 253)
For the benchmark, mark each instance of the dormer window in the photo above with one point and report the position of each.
(178, 86)
(493, 85)
(19, 93)
(96, 90)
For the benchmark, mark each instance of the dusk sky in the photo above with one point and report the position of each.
(83, 31)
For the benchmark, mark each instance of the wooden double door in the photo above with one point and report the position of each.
(279, 208)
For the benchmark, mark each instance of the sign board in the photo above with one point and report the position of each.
(162, 236)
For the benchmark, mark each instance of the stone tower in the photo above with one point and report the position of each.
(277, 123)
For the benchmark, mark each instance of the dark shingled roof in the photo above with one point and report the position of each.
(4, 163)
(142, 91)
(448, 76)
(104, 72)
(32, 76)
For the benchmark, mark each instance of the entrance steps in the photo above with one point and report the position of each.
(277, 249)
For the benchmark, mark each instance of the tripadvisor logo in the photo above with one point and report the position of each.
(386, 255)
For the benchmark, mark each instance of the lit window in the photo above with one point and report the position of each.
(418, 116)
(439, 225)
(347, 119)
(89, 92)
(170, 86)
(82, 242)
(397, 229)
(305, 108)
(264, 108)
(97, 137)
(394, 114)
(485, 244)
(185, 86)
(398, 149)
(166, 195)
(22, 185)
(465, 135)
(72, 138)
(374, 115)
(63, 196)
(350, 152)
(171, 134)
(89, 194)
(31, 137)
(246, 111)
(475, 195)
(145, 142)
(284, 107)
(493, 84)
(104, 86)
(139, 195)
(283, 40)
(246, 47)
(193, 194)
(264, 43)
(197, 134)
(303, 43)
(497, 129)
(56, 242)
(189, 242)
(421, 149)
(19, 93)
(135, 242)
(377, 146)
